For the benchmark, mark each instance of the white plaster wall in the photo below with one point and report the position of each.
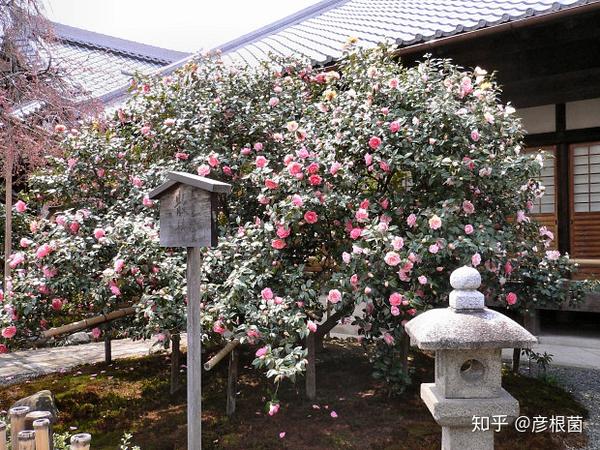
(538, 119)
(583, 114)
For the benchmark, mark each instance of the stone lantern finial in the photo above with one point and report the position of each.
(465, 295)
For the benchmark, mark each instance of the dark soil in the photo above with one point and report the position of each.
(133, 395)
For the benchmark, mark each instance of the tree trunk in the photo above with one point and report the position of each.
(107, 348)
(404, 349)
(175, 362)
(311, 369)
(232, 377)
(8, 218)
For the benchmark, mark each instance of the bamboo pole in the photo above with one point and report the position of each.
(2, 435)
(87, 323)
(43, 436)
(17, 422)
(212, 362)
(26, 440)
(81, 441)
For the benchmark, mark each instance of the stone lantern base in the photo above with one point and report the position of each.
(455, 415)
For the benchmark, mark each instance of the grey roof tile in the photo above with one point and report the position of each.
(320, 31)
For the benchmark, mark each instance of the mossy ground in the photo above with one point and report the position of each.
(133, 395)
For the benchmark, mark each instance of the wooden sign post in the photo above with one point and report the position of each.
(188, 207)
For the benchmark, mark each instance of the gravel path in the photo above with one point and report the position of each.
(584, 384)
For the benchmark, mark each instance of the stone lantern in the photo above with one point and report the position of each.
(467, 339)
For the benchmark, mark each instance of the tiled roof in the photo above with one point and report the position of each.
(100, 63)
(320, 31)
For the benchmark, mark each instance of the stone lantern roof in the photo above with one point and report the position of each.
(466, 323)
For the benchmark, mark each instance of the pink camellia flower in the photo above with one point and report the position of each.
(294, 168)
(258, 146)
(311, 217)
(476, 259)
(434, 248)
(271, 184)
(508, 268)
(20, 206)
(333, 414)
(273, 409)
(521, 217)
(71, 162)
(511, 298)
(315, 180)
(411, 220)
(261, 161)
(393, 83)
(57, 304)
(468, 207)
(114, 289)
(119, 264)
(278, 244)
(99, 233)
(297, 200)
(1, 295)
(394, 126)
(203, 170)
(312, 327)
(213, 160)
(346, 257)
(392, 258)
(355, 233)
(368, 159)
(49, 272)
(361, 214)
(16, 259)
(411, 311)
(182, 156)
(397, 243)
(396, 299)
(374, 142)
(147, 202)
(475, 135)
(394, 311)
(283, 231)
(227, 170)
(334, 168)
(3, 349)
(313, 168)
(43, 251)
(60, 128)
(422, 279)
(388, 338)
(145, 130)
(219, 327)
(169, 122)
(435, 222)
(9, 332)
(354, 280)
(334, 296)
(384, 203)
(292, 126)
(263, 200)
(469, 229)
(96, 333)
(61, 220)
(74, 227)
(24, 242)
(282, 435)
(266, 294)
(553, 255)
(273, 101)
(262, 351)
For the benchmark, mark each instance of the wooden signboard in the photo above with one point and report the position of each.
(188, 219)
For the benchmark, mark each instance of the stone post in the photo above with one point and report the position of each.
(468, 339)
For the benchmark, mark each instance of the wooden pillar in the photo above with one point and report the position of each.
(232, 377)
(311, 369)
(175, 362)
(563, 183)
(26, 440)
(194, 353)
(81, 441)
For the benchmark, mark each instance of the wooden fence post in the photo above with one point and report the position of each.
(107, 347)
(232, 381)
(43, 436)
(26, 440)
(194, 353)
(311, 369)
(81, 441)
(175, 362)
(2, 435)
(17, 422)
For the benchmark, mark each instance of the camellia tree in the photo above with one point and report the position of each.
(366, 185)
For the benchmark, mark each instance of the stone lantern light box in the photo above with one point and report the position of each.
(188, 207)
